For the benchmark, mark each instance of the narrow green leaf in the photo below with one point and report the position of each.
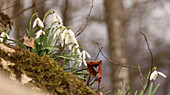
(16, 42)
(50, 48)
(150, 89)
(123, 89)
(155, 89)
(142, 92)
(107, 92)
(120, 93)
(47, 14)
(136, 92)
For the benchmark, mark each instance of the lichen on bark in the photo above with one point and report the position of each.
(44, 72)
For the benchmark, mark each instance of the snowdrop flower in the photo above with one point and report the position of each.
(80, 61)
(39, 33)
(55, 18)
(76, 49)
(59, 30)
(155, 73)
(70, 39)
(64, 34)
(3, 35)
(39, 22)
(59, 19)
(84, 54)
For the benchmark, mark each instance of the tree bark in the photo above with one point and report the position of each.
(17, 20)
(115, 19)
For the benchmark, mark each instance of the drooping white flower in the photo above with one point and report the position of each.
(70, 39)
(39, 22)
(39, 33)
(155, 73)
(63, 35)
(76, 50)
(84, 54)
(3, 35)
(59, 19)
(80, 60)
(59, 30)
(56, 18)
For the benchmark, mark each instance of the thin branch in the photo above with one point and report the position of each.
(140, 72)
(98, 53)
(87, 19)
(114, 62)
(150, 51)
(15, 3)
(22, 11)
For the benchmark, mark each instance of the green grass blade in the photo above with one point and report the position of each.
(150, 89)
(155, 89)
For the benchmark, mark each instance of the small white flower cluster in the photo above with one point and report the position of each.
(3, 35)
(41, 25)
(66, 36)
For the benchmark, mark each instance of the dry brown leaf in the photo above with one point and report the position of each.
(91, 65)
(29, 41)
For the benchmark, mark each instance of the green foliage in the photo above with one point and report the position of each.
(151, 91)
(123, 92)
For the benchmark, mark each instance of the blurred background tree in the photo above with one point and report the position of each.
(115, 24)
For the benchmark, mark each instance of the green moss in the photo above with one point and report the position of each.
(45, 73)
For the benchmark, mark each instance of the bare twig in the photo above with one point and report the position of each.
(87, 19)
(15, 3)
(150, 51)
(33, 5)
(114, 62)
(140, 72)
(98, 53)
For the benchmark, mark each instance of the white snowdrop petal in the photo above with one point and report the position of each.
(163, 75)
(7, 36)
(55, 35)
(58, 31)
(80, 63)
(3, 34)
(66, 39)
(62, 43)
(70, 47)
(1, 39)
(40, 23)
(59, 19)
(39, 33)
(78, 51)
(84, 61)
(34, 23)
(84, 54)
(53, 18)
(153, 77)
(71, 33)
(37, 36)
(88, 55)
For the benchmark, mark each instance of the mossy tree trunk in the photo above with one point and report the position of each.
(42, 72)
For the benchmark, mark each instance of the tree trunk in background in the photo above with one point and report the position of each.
(18, 19)
(65, 13)
(4, 4)
(40, 8)
(115, 19)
